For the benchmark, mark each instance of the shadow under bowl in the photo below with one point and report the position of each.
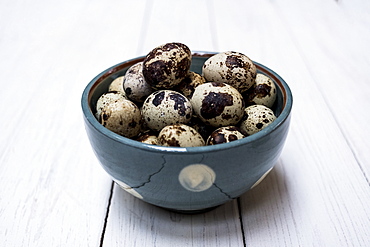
(189, 179)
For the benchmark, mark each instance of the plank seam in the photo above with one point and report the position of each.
(241, 221)
(106, 215)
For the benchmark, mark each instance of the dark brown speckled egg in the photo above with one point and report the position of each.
(188, 85)
(218, 104)
(224, 135)
(167, 65)
(263, 92)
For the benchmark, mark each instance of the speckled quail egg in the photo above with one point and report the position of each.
(224, 135)
(119, 115)
(107, 99)
(117, 85)
(148, 137)
(231, 67)
(256, 118)
(167, 65)
(188, 85)
(135, 86)
(180, 135)
(165, 107)
(263, 92)
(203, 129)
(218, 104)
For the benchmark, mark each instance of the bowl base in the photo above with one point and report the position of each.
(196, 211)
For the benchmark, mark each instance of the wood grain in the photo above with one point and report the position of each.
(132, 222)
(53, 190)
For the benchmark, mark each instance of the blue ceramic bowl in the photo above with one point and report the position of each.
(186, 179)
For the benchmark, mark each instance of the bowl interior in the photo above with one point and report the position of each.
(101, 82)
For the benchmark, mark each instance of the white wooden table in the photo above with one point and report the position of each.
(53, 192)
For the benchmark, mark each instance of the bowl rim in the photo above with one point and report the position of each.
(89, 116)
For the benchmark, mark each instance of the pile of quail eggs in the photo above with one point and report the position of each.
(160, 101)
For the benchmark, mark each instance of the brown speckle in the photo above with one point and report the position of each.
(214, 104)
(232, 61)
(158, 98)
(180, 103)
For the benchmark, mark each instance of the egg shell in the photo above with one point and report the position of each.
(231, 67)
(135, 86)
(224, 135)
(148, 137)
(167, 65)
(166, 107)
(203, 129)
(256, 118)
(107, 99)
(218, 104)
(188, 85)
(121, 116)
(263, 92)
(117, 85)
(180, 135)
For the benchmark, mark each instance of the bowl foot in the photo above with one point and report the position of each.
(196, 211)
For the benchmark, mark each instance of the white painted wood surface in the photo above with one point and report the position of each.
(53, 192)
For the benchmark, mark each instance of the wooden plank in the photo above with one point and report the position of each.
(339, 63)
(53, 191)
(317, 193)
(133, 222)
(172, 21)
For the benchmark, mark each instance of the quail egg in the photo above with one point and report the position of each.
(263, 92)
(167, 65)
(180, 135)
(188, 85)
(117, 85)
(231, 67)
(109, 98)
(217, 104)
(203, 129)
(135, 86)
(224, 135)
(119, 115)
(148, 137)
(256, 118)
(165, 107)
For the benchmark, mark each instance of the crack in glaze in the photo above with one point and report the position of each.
(151, 175)
(223, 192)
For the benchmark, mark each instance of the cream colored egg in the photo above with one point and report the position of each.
(180, 135)
(117, 85)
(135, 86)
(256, 118)
(166, 107)
(233, 68)
(119, 115)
